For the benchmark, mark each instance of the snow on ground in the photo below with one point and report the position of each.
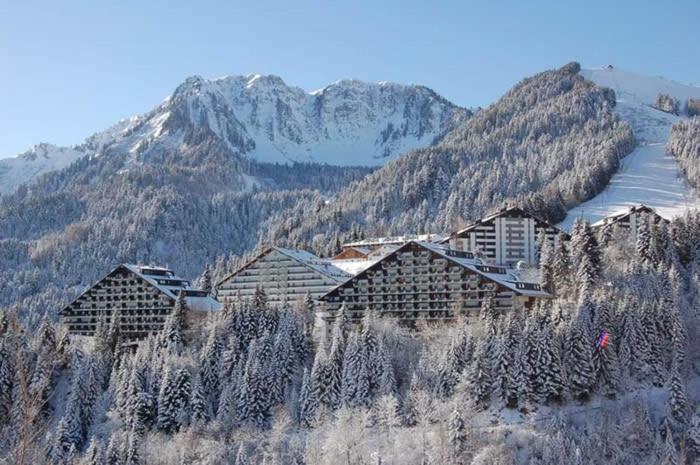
(648, 175)
(40, 159)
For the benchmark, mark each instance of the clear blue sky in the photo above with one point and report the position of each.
(70, 68)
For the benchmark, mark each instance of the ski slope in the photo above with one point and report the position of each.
(648, 175)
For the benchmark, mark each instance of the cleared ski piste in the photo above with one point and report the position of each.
(648, 175)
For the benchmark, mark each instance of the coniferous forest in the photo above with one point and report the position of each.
(251, 385)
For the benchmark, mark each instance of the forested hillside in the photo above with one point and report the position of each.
(550, 143)
(684, 145)
(248, 386)
(192, 205)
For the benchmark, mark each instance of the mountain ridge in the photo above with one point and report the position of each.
(346, 123)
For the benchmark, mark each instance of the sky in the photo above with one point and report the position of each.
(71, 68)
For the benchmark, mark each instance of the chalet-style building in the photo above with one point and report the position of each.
(286, 276)
(143, 295)
(353, 253)
(628, 219)
(506, 237)
(426, 281)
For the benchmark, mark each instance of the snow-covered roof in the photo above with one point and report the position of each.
(171, 285)
(360, 249)
(503, 212)
(167, 282)
(396, 240)
(321, 265)
(506, 277)
(622, 213)
(353, 266)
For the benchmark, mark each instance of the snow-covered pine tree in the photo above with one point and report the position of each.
(115, 446)
(605, 360)
(199, 407)
(93, 454)
(320, 374)
(479, 379)
(669, 454)
(643, 245)
(585, 276)
(242, 456)
(307, 404)
(210, 362)
(6, 382)
(355, 378)
(489, 313)
(252, 398)
(550, 366)
(166, 417)
(458, 435)
(561, 266)
(655, 363)
(173, 334)
(386, 385)
(140, 401)
(579, 354)
(677, 400)
(546, 261)
(131, 453)
(370, 344)
(205, 280)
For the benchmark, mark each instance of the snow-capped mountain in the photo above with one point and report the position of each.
(348, 122)
(648, 175)
(40, 159)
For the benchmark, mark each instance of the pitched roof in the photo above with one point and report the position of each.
(314, 262)
(378, 241)
(170, 284)
(502, 212)
(501, 275)
(625, 212)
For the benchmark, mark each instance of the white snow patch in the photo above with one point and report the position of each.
(648, 175)
(40, 159)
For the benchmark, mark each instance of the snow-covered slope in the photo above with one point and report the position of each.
(648, 175)
(40, 159)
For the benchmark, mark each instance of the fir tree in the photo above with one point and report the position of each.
(199, 407)
(669, 455)
(479, 377)
(173, 334)
(546, 261)
(458, 434)
(93, 455)
(579, 354)
(561, 266)
(205, 280)
(643, 243)
(210, 362)
(677, 400)
(307, 404)
(355, 378)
